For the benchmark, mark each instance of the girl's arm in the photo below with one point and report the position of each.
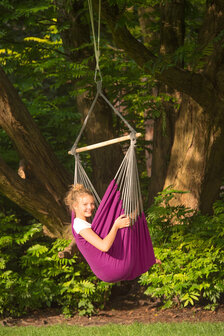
(105, 244)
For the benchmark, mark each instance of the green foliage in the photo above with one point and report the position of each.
(33, 57)
(191, 249)
(33, 277)
(163, 215)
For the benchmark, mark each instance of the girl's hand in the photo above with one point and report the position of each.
(122, 222)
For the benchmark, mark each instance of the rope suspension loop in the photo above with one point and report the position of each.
(100, 93)
(96, 43)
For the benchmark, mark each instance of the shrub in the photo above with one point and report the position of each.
(33, 277)
(190, 247)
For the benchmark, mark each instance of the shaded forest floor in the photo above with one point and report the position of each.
(125, 307)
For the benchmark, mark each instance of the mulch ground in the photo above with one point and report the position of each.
(125, 307)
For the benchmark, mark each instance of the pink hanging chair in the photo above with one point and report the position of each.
(131, 253)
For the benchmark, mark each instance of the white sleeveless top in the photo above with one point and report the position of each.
(80, 224)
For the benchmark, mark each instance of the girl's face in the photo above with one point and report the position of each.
(84, 206)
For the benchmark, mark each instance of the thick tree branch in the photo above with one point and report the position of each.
(21, 128)
(195, 85)
(188, 82)
(43, 192)
(31, 196)
(15, 188)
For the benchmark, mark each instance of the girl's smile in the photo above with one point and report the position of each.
(84, 207)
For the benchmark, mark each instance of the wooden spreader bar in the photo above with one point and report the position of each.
(105, 143)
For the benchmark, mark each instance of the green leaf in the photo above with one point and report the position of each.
(37, 250)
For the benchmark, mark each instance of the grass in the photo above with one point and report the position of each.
(154, 329)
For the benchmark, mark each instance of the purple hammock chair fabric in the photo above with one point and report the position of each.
(131, 253)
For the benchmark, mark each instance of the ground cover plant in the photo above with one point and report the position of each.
(191, 248)
(32, 276)
(155, 329)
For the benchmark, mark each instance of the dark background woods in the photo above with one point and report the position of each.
(161, 61)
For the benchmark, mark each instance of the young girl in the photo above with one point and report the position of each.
(80, 200)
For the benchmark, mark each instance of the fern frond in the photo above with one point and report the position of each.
(37, 250)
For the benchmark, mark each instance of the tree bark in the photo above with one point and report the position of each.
(42, 193)
(197, 157)
(171, 37)
(188, 152)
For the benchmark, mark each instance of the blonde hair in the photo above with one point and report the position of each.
(74, 193)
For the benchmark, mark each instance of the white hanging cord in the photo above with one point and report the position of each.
(132, 130)
(96, 43)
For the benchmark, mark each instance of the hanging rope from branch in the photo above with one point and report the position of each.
(96, 43)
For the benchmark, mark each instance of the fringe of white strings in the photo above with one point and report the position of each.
(127, 179)
(81, 177)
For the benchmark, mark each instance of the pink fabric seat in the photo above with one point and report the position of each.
(131, 253)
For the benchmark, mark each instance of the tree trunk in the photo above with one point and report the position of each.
(162, 145)
(171, 37)
(42, 193)
(197, 159)
(188, 152)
